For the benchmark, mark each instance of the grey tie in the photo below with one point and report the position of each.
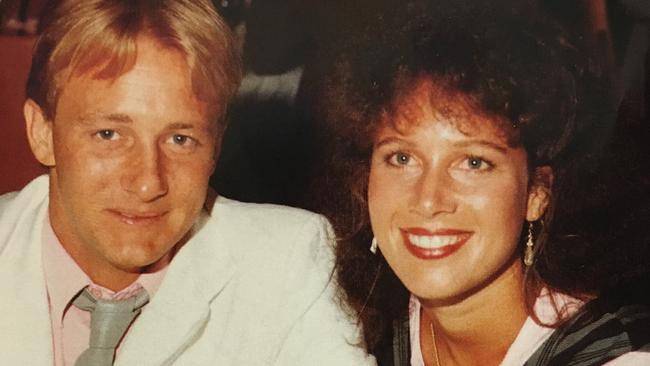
(108, 322)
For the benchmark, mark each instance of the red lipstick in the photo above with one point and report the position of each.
(438, 244)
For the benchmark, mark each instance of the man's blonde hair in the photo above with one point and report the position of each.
(99, 36)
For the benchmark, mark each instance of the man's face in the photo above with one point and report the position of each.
(132, 159)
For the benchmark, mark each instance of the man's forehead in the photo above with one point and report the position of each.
(157, 85)
(109, 62)
(147, 52)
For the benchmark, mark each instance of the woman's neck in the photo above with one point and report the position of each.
(479, 328)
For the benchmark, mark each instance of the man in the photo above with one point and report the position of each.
(112, 258)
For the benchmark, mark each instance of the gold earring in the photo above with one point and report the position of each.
(529, 254)
(373, 245)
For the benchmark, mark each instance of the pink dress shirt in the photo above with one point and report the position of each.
(64, 279)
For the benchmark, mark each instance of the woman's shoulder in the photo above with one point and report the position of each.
(603, 330)
(394, 349)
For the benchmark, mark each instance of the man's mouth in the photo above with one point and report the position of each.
(138, 217)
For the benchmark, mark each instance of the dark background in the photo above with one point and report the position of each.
(269, 152)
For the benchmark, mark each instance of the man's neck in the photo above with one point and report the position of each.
(116, 279)
(102, 272)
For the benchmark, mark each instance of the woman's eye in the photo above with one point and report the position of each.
(476, 163)
(107, 134)
(180, 139)
(399, 158)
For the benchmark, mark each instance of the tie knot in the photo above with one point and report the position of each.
(86, 301)
(109, 320)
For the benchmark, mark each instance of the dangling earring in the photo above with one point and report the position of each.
(529, 255)
(373, 245)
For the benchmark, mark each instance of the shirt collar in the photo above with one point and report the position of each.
(64, 278)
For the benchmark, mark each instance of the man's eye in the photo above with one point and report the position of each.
(106, 134)
(183, 140)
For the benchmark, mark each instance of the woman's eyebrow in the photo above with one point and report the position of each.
(391, 140)
(485, 143)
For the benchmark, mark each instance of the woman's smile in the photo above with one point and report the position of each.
(439, 244)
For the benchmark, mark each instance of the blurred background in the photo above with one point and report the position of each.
(269, 147)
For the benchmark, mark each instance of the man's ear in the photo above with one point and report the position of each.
(39, 133)
(539, 193)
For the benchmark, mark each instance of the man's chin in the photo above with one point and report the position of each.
(138, 267)
(139, 258)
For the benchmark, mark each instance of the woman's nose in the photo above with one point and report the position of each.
(434, 193)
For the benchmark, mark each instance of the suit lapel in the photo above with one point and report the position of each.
(26, 336)
(173, 319)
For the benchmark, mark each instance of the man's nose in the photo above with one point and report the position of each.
(434, 193)
(145, 176)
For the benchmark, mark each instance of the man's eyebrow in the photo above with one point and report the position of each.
(112, 117)
(125, 118)
(180, 126)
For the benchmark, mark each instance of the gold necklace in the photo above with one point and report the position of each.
(435, 347)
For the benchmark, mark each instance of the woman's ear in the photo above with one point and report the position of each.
(539, 193)
(39, 133)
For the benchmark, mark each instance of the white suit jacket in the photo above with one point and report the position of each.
(252, 287)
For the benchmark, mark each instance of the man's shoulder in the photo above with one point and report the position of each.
(14, 205)
(265, 270)
(257, 234)
(265, 213)
(6, 199)
(34, 192)
(20, 211)
(267, 222)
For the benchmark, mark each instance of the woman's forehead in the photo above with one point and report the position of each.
(430, 102)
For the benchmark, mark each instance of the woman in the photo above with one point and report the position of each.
(456, 139)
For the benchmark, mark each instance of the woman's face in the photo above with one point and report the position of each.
(448, 197)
